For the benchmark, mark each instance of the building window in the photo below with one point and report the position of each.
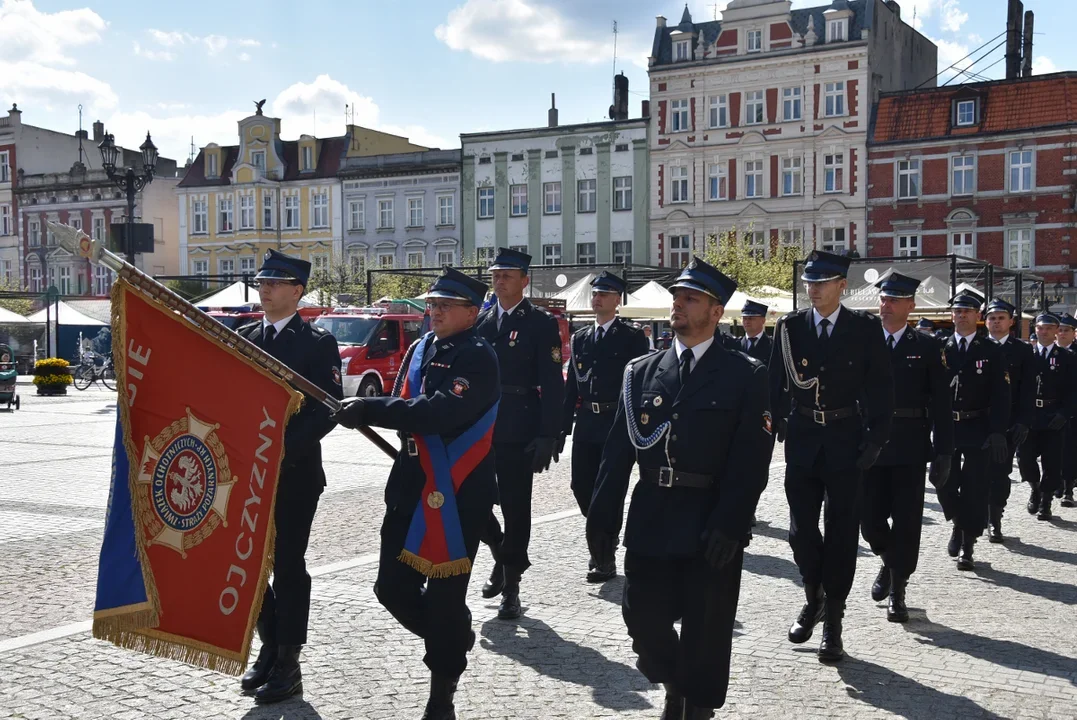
(552, 193)
(834, 240)
(719, 111)
(486, 203)
(75, 222)
(386, 260)
(519, 249)
(791, 104)
(8, 275)
(755, 41)
(717, 182)
(258, 160)
(1020, 171)
(320, 265)
(757, 244)
(966, 112)
(246, 212)
(1019, 250)
(415, 260)
(357, 263)
(622, 252)
(5, 168)
(679, 115)
(446, 257)
(200, 267)
(681, 51)
(551, 154)
(246, 266)
(35, 279)
(678, 178)
(963, 244)
(291, 212)
(586, 253)
(792, 176)
(753, 178)
(267, 211)
(680, 250)
(35, 234)
(99, 228)
(792, 238)
(835, 30)
(308, 157)
(587, 151)
(485, 160)
(65, 280)
(586, 196)
(212, 165)
(321, 210)
(50, 236)
(833, 173)
(5, 219)
(518, 196)
(964, 174)
(551, 254)
(622, 193)
(908, 246)
(835, 99)
(225, 213)
(753, 108)
(200, 217)
(415, 212)
(446, 210)
(485, 255)
(357, 214)
(102, 280)
(908, 179)
(385, 214)
(620, 147)
(227, 268)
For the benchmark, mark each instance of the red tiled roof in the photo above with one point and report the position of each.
(329, 154)
(1023, 104)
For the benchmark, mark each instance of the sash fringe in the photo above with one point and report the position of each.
(441, 570)
(164, 648)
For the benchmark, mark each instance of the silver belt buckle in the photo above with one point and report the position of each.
(957, 416)
(665, 477)
(413, 449)
(819, 416)
(1039, 403)
(595, 409)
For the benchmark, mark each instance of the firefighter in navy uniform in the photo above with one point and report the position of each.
(599, 354)
(528, 346)
(893, 507)
(1054, 390)
(312, 352)
(833, 397)
(695, 420)
(1018, 356)
(980, 385)
(755, 342)
(1066, 331)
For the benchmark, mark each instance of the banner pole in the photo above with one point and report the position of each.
(82, 245)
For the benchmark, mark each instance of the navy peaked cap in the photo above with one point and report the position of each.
(455, 285)
(896, 285)
(704, 278)
(822, 266)
(606, 281)
(278, 266)
(509, 259)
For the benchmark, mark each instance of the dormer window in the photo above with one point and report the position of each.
(308, 158)
(755, 41)
(682, 51)
(258, 159)
(211, 165)
(837, 30)
(965, 113)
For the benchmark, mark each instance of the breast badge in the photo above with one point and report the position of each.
(644, 418)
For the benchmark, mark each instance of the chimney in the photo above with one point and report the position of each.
(660, 21)
(619, 109)
(98, 132)
(894, 8)
(645, 109)
(1026, 49)
(14, 115)
(553, 111)
(1014, 14)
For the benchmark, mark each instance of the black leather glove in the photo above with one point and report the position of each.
(996, 444)
(350, 414)
(869, 453)
(1058, 421)
(602, 546)
(542, 449)
(940, 471)
(560, 446)
(1020, 434)
(781, 430)
(718, 549)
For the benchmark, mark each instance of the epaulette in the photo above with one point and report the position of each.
(317, 329)
(244, 329)
(753, 361)
(543, 310)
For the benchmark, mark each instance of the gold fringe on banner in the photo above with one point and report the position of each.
(439, 571)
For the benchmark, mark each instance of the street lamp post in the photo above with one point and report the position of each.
(129, 181)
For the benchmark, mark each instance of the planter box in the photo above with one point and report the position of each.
(52, 390)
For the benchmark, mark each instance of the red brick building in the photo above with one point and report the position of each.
(985, 170)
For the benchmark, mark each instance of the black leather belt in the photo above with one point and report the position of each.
(598, 408)
(911, 413)
(516, 390)
(960, 415)
(668, 477)
(822, 417)
(1045, 403)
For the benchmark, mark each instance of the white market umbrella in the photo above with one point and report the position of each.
(63, 314)
(230, 297)
(577, 296)
(6, 316)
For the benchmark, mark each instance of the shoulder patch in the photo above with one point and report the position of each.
(459, 387)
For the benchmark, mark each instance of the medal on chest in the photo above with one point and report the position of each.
(512, 338)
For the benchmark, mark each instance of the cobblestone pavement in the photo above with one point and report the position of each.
(1000, 642)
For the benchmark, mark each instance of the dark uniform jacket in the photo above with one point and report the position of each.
(311, 352)
(1019, 356)
(978, 381)
(460, 383)
(595, 371)
(855, 369)
(719, 425)
(1053, 386)
(921, 386)
(528, 348)
(761, 351)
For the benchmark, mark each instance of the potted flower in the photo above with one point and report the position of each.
(51, 376)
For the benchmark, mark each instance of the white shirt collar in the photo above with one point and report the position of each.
(756, 337)
(697, 351)
(503, 311)
(833, 317)
(967, 338)
(1002, 340)
(280, 324)
(897, 335)
(605, 326)
(1049, 348)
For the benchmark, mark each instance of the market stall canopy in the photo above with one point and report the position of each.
(230, 297)
(577, 296)
(932, 294)
(6, 316)
(653, 301)
(67, 316)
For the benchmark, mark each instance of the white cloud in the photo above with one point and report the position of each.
(952, 16)
(214, 44)
(168, 39)
(1043, 66)
(172, 133)
(244, 57)
(29, 83)
(247, 42)
(162, 55)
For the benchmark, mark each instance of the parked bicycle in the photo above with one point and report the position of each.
(95, 368)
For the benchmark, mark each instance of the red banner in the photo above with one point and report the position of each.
(203, 431)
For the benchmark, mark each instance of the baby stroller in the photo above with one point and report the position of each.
(8, 376)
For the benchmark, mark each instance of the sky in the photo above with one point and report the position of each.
(425, 69)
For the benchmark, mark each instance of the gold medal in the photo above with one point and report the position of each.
(658, 401)
(435, 500)
(644, 418)
(512, 343)
(804, 362)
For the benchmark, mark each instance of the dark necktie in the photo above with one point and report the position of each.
(751, 343)
(962, 346)
(890, 342)
(686, 365)
(599, 334)
(824, 336)
(267, 337)
(1043, 353)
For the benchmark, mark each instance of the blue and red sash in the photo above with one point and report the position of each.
(435, 542)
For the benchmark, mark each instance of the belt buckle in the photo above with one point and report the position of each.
(957, 416)
(1039, 403)
(665, 477)
(595, 409)
(819, 416)
(413, 449)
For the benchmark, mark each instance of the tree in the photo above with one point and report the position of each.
(732, 255)
(19, 306)
(187, 289)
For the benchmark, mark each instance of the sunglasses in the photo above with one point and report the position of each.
(272, 284)
(444, 305)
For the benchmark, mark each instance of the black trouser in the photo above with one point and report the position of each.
(286, 603)
(828, 558)
(894, 493)
(1045, 444)
(658, 592)
(514, 483)
(998, 490)
(964, 496)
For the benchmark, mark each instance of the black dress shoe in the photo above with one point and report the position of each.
(831, 649)
(994, 524)
(881, 587)
(1067, 500)
(285, 679)
(440, 705)
(496, 584)
(602, 573)
(674, 707)
(954, 545)
(964, 559)
(693, 712)
(1045, 509)
(1033, 501)
(258, 674)
(810, 615)
(896, 610)
(510, 601)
